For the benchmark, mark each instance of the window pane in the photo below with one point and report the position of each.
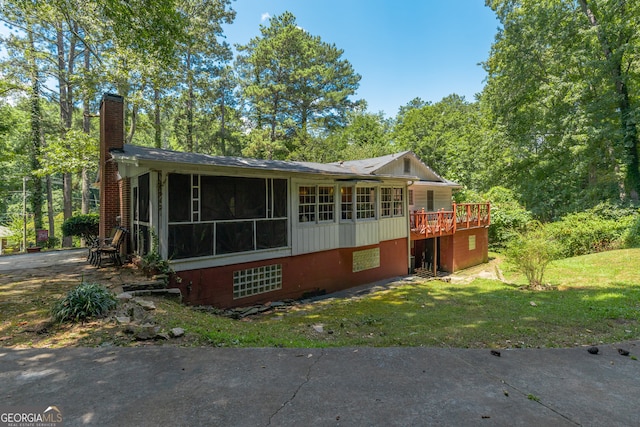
(179, 197)
(234, 237)
(385, 202)
(271, 234)
(346, 204)
(398, 205)
(430, 200)
(325, 203)
(365, 202)
(190, 240)
(307, 204)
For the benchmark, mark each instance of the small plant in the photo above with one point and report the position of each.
(531, 252)
(152, 262)
(83, 302)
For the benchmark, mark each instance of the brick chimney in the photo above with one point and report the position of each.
(111, 137)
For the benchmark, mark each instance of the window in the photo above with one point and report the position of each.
(315, 203)
(391, 202)
(216, 215)
(365, 202)
(398, 204)
(307, 204)
(386, 201)
(411, 197)
(407, 165)
(430, 205)
(325, 204)
(346, 195)
(253, 281)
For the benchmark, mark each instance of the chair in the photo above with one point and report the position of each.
(111, 249)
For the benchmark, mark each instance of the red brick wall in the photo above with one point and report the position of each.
(462, 256)
(111, 136)
(328, 271)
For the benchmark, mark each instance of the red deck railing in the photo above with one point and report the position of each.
(425, 225)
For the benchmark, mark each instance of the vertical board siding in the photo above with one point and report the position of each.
(315, 238)
(393, 228)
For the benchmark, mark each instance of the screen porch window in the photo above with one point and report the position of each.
(365, 202)
(217, 215)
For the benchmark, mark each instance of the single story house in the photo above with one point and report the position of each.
(244, 231)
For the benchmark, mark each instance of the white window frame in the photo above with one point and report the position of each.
(317, 206)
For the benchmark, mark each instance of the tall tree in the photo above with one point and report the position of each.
(561, 76)
(294, 84)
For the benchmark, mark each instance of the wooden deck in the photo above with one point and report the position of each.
(425, 225)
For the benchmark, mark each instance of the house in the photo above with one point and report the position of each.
(244, 231)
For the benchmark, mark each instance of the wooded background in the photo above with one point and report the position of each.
(555, 128)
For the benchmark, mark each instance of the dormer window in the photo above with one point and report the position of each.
(407, 165)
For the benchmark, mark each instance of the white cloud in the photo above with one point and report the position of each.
(265, 17)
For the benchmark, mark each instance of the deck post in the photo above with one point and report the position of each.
(435, 257)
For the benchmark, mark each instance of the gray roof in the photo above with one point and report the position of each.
(354, 169)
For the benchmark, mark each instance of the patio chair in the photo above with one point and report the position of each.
(112, 250)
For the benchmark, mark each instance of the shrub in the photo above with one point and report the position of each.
(86, 226)
(508, 218)
(531, 252)
(631, 238)
(595, 230)
(83, 302)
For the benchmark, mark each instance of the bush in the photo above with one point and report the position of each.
(86, 226)
(631, 238)
(531, 252)
(508, 218)
(595, 230)
(83, 302)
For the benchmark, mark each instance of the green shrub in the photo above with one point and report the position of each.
(83, 302)
(531, 252)
(595, 230)
(508, 218)
(631, 238)
(86, 226)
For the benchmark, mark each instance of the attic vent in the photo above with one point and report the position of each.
(407, 165)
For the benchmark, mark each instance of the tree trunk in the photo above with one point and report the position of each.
(36, 135)
(156, 123)
(189, 105)
(86, 128)
(50, 213)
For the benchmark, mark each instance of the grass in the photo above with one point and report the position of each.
(595, 299)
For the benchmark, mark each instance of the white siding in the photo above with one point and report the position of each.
(441, 197)
(367, 233)
(393, 228)
(314, 238)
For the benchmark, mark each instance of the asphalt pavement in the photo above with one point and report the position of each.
(172, 386)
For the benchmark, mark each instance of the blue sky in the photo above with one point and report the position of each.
(403, 49)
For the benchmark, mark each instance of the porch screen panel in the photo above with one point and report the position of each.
(179, 198)
(190, 240)
(271, 234)
(143, 193)
(279, 198)
(226, 198)
(234, 237)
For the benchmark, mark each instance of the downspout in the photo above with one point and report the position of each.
(406, 209)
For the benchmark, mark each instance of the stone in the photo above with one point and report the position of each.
(123, 320)
(177, 332)
(162, 336)
(147, 305)
(277, 304)
(318, 328)
(124, 296)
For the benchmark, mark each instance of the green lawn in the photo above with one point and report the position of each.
(595, 299)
